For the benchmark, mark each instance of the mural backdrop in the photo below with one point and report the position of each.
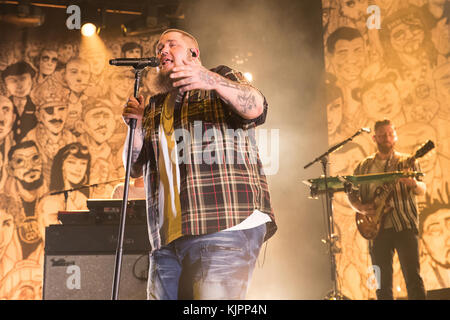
(60, 128)
(399, 70)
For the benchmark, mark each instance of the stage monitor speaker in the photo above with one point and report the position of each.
(79, 262)
(90, 277)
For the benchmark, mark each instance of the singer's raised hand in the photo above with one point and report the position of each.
(134, 109)
(194, 76)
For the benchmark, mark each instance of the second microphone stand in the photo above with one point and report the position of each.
(66, 192)
(332, 238)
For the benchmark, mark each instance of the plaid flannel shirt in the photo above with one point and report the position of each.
(405, 214)
(221, 175)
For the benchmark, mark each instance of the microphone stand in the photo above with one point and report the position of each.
(66, 192)
(332, 238)
(119, 251)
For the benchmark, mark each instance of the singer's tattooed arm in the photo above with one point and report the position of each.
(246, 100)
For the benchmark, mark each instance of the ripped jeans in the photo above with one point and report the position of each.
(215, 266)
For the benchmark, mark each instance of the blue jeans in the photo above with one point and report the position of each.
(215, 266)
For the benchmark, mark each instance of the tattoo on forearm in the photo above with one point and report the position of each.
(246, 99)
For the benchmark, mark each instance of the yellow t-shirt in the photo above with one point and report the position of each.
(169, 175)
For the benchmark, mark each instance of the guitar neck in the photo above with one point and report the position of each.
(383, 177)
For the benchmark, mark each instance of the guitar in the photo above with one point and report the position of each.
(369, 226)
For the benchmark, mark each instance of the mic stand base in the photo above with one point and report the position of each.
(335, 295)
(332, 238)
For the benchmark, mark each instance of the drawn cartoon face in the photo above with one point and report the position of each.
(348, 59)
(26, 165)
(436, 235)
(53, 117)
(74, 169)
(407, 38)
(133, 53)
(48, 62)
(19, 85)
(77, 75)
(7, 117)
(382, 100)
(100, 124)
(65, 52)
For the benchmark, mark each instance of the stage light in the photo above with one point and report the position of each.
(23, 15)
(93, 19)
(88, 29)
(248, 76)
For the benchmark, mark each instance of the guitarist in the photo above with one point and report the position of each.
(399, 229)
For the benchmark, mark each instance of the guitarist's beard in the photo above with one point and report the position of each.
(385, 148)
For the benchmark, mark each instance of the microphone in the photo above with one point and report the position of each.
(365, 130)
(135, 62)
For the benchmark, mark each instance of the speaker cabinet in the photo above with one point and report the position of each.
(79, 262)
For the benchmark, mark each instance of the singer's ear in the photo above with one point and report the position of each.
(194, 52)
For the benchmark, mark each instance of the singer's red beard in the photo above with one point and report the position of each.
(163, 83)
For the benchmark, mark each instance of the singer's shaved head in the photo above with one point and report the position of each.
(189, 38)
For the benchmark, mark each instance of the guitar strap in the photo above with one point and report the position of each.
(386, 165)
